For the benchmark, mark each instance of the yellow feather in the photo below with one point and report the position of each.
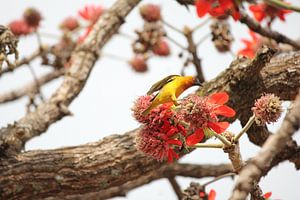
(169, 89)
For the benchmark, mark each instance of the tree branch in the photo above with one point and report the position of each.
(30, 87)
(13, 137)
(252, 172)
(101, 167)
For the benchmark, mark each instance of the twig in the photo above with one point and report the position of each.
(253, 171)
(203, 39)
(175, 42)
(208, 145)
(26, 89)
(220, 137)
(231, 174)
(172, 27)
(23, 61)
(282, 4)
(37, 84)
(201, 24)
(192, 48)
(256, 27)
(176, 187)
(245, 128)
(114, 57)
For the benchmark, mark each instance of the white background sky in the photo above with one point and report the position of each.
(103, 107)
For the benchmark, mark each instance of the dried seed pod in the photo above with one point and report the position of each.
(221, 35)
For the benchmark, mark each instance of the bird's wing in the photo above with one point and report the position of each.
(160, 84)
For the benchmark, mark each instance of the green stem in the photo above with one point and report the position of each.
(245, 128)
(207, 145)
(208, 131)
(282, 4)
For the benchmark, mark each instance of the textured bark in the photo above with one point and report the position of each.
(30, 87)
(92, 170)
(13, 137)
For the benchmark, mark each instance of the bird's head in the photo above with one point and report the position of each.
(190, 81)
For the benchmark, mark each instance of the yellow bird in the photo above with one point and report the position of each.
(169, 89)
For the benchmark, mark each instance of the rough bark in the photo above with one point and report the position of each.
(90, 169)
(13, 137)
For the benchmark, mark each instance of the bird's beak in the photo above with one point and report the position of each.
(197, 82)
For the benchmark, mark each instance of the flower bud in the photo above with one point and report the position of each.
(267, 109)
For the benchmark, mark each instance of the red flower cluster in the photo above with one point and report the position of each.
(27, 24)
(90, 13)
(263, 10)
(251, 46)
(163, 134)
(217, 8)
(202, 113)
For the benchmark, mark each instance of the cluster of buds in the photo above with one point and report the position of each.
(172, 130)
(29, 22)
(151, 38)
(267, 109)
(8, 44)
(221, 35)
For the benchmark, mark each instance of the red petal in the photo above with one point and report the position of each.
(212, 194)
(224, 111)
(267, 195)
(218, 127)
(219, 98)
(196, 137)
(175, 142)
(202, 6)
(172, 154)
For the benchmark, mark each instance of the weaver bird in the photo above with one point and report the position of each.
(169, 89)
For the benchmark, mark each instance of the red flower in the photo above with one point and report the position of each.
(217, 8)
(20, 27)
(267, 195)
(251, 46)
(69, 24)
(139, 63)
(150, 12)
(263, 10)
(161, 48)
(202, 112)
(91, 13)
(210, 196)
(162, 133)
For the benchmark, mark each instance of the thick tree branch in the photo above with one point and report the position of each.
(253, 171)
(13, 137)
(97, 167)
(30, 87)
